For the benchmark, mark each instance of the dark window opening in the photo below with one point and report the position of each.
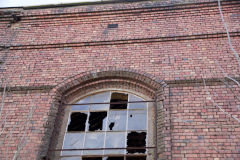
(136, 158)
(135, 139)
(96, 120)
(119, 97)
(92, 158)
(78, 122)
(115, 158)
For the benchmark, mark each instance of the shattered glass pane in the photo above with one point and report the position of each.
(115, 140)
(117, 120)
(135, 139)
(82, 107)
(77, 121)
(136, 105)
(73, 141)
(137, 120)
(94, 140)
(100, 98)
(97, 121)
(121, 98)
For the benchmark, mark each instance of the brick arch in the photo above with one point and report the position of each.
(125, 79)
(136, 76)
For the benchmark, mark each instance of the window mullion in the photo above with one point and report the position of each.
(66, 130)
(126, 129)
(105, 135)
(86, 126)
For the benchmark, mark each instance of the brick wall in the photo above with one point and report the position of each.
(179, 42)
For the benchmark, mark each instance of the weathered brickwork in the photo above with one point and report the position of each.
(199, 129)
(26, 121)
(174, 52)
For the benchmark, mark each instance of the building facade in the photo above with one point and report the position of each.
(168, 71)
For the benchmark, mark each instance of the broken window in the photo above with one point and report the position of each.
(117, 120)
(119, 101)
(77, 121)
(135, 139)
(96, 120)
(106, 126)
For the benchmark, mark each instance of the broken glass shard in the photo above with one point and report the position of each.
(142, 105)
(137, 120)
(100, 98)
(115, 140)
(73, 141)
(117, 120)
(135, 139)
(78, 121)
(119, 98)
(97, 121)
(93, 140)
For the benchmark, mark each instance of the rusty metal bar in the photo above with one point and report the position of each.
(122, 102)
(83, 149)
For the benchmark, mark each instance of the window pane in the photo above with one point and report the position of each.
(117, 120)
(94, 140)
(136, 105)
(137, 120)
(85, 100)
(73, 141)
(99, 107)
(82, 107)
(100, 98)
(115, 140)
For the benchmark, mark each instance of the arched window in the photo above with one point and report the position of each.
(109, 125)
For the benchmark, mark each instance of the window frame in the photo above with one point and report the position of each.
(150, 130)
